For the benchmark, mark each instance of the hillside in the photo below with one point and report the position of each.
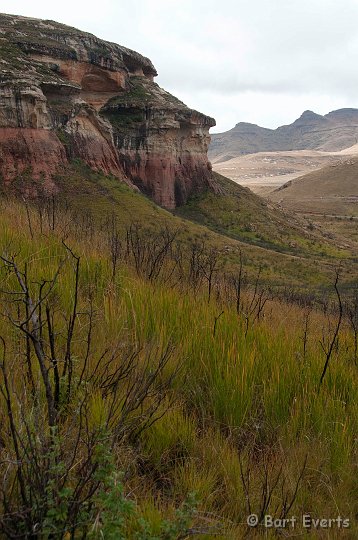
(332, 132)
(234, 221)
(146, 396)
(330, 190)
(327, 197)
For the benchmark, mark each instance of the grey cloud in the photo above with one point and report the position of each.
(280, 50)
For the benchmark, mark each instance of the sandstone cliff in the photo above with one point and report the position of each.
(65, 94)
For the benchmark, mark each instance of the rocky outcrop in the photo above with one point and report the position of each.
(162, 145)
(66, 94)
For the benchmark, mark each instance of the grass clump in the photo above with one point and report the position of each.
(235, 409)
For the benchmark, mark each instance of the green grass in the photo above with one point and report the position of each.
(239, 402)
(240, 214)
(126, 118)
(100, 197)
(95, 199)
(11, 54)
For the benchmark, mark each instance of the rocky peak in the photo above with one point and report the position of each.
(307, 118)
(309, 115)
(246, 127)
(67, 94)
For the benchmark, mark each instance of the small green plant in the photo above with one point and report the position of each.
(63, 136)
(115, 517)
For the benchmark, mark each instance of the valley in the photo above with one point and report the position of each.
(178, 319)
(264, 172)
(320, 186)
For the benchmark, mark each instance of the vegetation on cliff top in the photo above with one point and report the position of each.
(46, 37)
(18, 69)
(142, 92)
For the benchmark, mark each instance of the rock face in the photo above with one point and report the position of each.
(65, 94)
(332, 132)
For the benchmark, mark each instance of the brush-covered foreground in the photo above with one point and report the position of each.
(144, 398)
(290, 251)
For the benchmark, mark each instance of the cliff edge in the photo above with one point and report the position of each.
(65, 94)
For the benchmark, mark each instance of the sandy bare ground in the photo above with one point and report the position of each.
(263, 172)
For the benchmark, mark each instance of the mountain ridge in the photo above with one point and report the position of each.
(334, 131)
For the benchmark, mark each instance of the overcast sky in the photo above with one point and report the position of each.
(259, 61)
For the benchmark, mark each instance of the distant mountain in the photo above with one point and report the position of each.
(332, 132)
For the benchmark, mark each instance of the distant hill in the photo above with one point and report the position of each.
(332, 132)
(330, 190)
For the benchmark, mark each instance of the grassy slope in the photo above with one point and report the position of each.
(252, 400)
(329, 198)
(289, 253)
(242, 215)
(293, 248)
(330, 190)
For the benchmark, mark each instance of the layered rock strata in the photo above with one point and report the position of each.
(65, 94)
